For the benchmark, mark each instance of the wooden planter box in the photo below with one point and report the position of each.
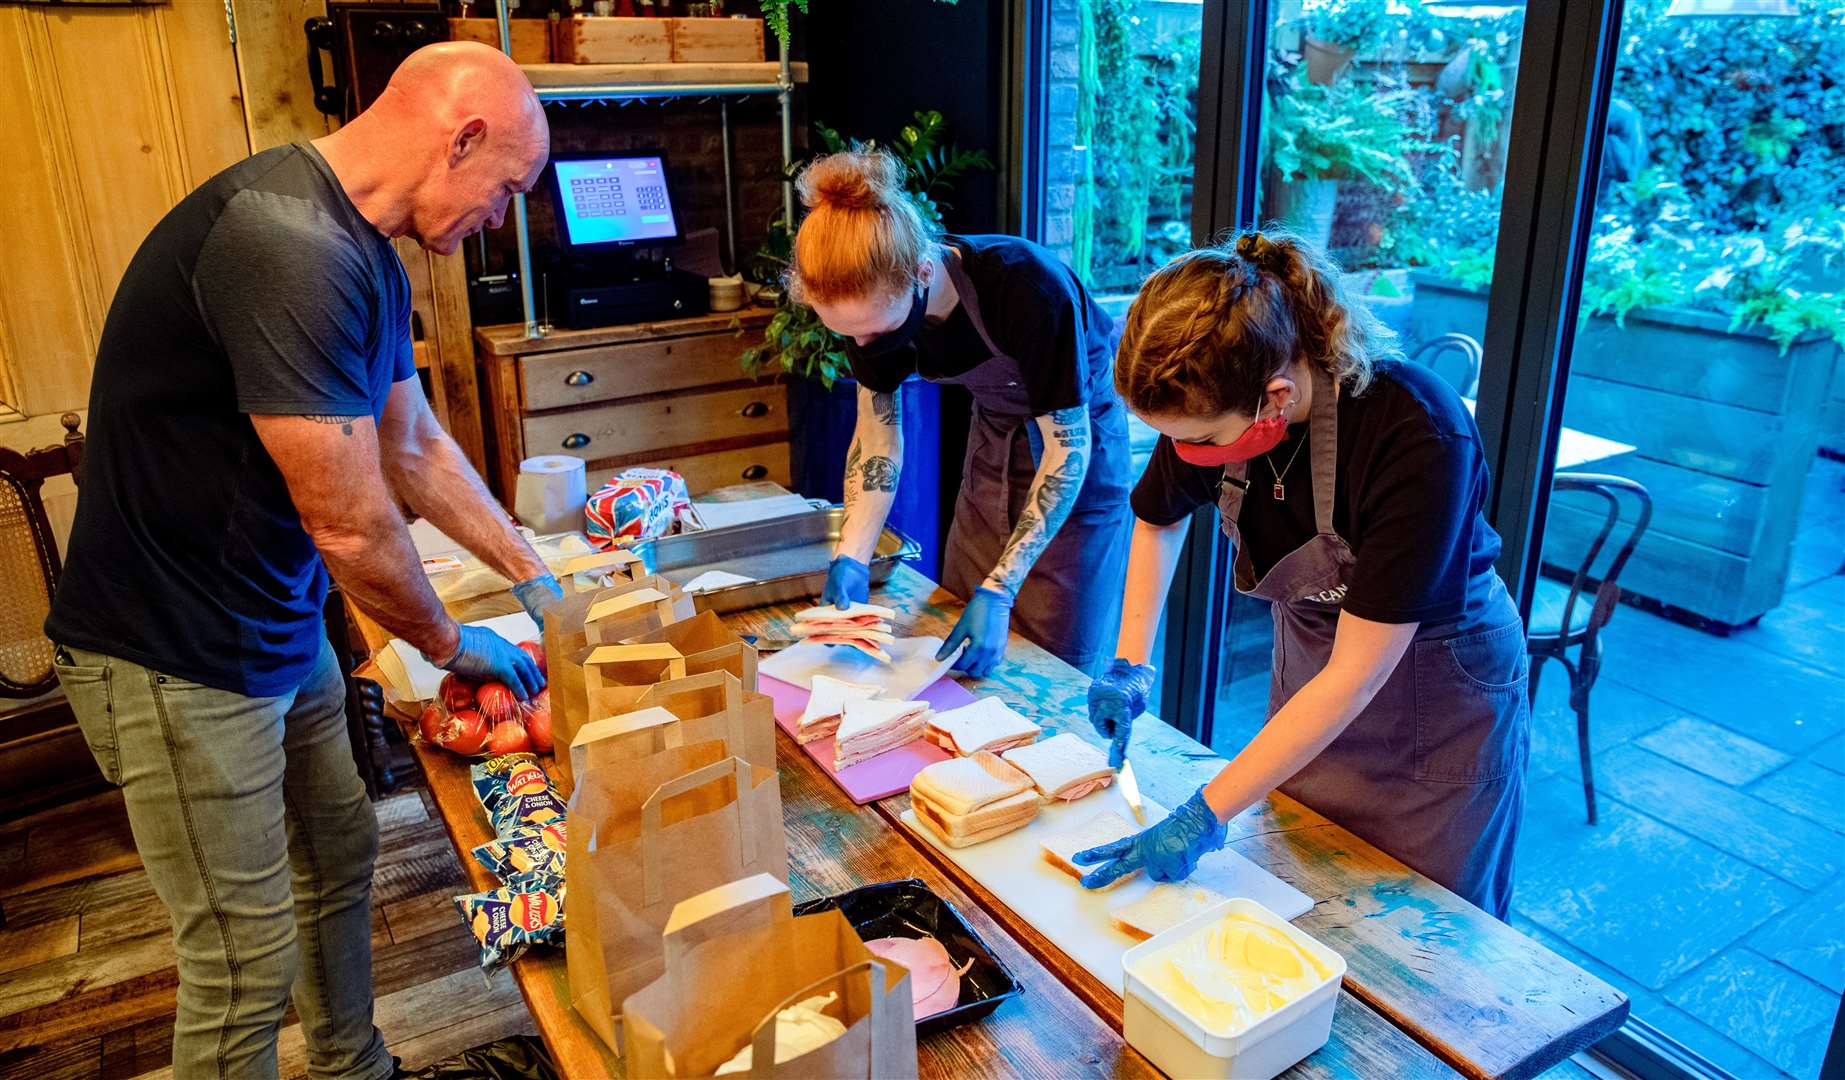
(717, 41)
(611, 39)
(1725, 428)
(531, 38)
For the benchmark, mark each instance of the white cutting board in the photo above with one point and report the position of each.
(1075, 919)
(912, 667)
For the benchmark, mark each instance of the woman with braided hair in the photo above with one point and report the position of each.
(1351, 484)
(1043, 507)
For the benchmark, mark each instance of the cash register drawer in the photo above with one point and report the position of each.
(558, 380)
(662, 423)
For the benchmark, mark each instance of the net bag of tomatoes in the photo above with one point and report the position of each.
(477, 719)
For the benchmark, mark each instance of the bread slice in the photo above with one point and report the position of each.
(828, 611)
(987, 724)
(994, 819)
(1166, 906)
(1106, 827)
(874, 726)
(961, 785)
(1062, 766)
(826, 699)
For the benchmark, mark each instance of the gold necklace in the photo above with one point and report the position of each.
(1280, 490)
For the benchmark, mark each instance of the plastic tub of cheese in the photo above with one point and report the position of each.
(1236, 991)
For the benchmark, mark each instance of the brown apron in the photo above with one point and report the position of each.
(1433, 770)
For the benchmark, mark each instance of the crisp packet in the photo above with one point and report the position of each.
(524, 813)
(508, 774)
(534, 857)
(508, 921)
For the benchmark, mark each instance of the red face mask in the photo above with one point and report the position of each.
(1258, 439)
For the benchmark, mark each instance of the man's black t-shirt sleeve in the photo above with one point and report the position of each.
(286, 298)
(1170, 489)
(1413, 533)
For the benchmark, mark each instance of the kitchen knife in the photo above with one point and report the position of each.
(1130, 790)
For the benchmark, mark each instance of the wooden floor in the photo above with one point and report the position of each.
(87, 981)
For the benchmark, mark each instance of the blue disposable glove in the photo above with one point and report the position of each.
(983, 626)
(537, 594)
(848, 582)
(1168, 851)
(1116, 697)
(484, 655)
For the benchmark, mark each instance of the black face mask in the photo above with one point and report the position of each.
(903, 339)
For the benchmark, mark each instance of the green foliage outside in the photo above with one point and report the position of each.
(796, 341)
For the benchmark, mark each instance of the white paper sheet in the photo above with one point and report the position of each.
(716, 579)
(912, 668)
(1012, 867)
(417, 679)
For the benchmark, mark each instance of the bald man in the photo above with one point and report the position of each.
(254, 418)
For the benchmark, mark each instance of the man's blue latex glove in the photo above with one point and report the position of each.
(983, 626)
(1168, 851)
(848, 582)
(485, 655)
(1116, 697)
(537, 594)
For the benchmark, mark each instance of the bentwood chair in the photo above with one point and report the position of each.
(1430, 353)
(29, 564)
(1566, 618)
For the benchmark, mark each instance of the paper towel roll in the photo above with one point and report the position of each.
(551, 493)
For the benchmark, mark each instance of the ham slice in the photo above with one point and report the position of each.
(935, 981)
(869, 648)
(1071, 794)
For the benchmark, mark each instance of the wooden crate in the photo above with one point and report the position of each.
(531, 38)
(716, 41)
(611, 39)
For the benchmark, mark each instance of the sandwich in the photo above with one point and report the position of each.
(988, 724)
(1164, 907)
(872, 726)
(1106, 827)
(825, 701)
(865, 627)
(1062, 767)
(966, 800)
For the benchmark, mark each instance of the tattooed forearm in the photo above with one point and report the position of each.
(345, 422)
(886, 409)
(1053, 495)
(1070, 427)
(880, 473)
(851, 481)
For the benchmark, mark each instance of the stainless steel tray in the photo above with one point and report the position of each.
(787, 556)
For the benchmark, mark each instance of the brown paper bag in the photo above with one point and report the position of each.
(708, 644)
(566, 643)
(734, 957)
(635, 607)
(700, 707)
(620, 564)
(603, 680)
(706, 818)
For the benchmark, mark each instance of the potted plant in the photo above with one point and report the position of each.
(1317, 136)
(1334, 31)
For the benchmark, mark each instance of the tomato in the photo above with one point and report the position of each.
(465, 733)
(456, 692)
(536, 650)
(509, 737)
(536, 715)
(429, 722)
(497, 702)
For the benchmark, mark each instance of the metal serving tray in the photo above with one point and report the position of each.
(787, 556)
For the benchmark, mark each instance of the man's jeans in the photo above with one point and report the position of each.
(256, 834)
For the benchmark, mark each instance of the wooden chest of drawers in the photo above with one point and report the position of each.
(666, 395)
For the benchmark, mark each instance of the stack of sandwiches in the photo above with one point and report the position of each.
(865, 627)
(826, 700)
(1062, 767)
(1164, 907)
(1060, 848)
(872, 726)
(988, 724)
(966, 800)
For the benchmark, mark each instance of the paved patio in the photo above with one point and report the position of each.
(1712, 890)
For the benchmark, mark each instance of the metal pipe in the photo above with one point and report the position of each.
(786, 81)
(730, 193)
(521, 231)
(651, 90)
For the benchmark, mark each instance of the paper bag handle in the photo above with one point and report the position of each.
(734, 730)
(759, 900)
(651, 889)
(762, 1039)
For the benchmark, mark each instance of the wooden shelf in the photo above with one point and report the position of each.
(634, 78)
(508, 339)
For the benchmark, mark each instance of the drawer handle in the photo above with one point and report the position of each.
(576, 441)
(755, 472)
(579, 378)
(756, 409)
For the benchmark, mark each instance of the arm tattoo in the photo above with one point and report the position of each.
(885, 408)
(880, 473)
(851, 481)
(345, 422)
(1051, 504)
(1071, 428)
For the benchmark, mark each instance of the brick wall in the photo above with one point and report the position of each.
(1061, 154)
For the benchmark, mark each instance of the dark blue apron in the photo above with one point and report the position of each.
(1059, 605)
(1433, 770)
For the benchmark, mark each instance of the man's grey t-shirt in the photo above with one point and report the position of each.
(263, 292)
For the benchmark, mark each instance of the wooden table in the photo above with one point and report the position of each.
(1434, 986)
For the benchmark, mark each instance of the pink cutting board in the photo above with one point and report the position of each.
(878, 777)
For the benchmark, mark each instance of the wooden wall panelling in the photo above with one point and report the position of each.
(456, 381)
(272, 61)
(203, 86)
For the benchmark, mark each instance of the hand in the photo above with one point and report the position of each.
(484, 655)
(1116, 697)
(848, 582)
(1168, 851)
(983, 626)
(537, 594)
